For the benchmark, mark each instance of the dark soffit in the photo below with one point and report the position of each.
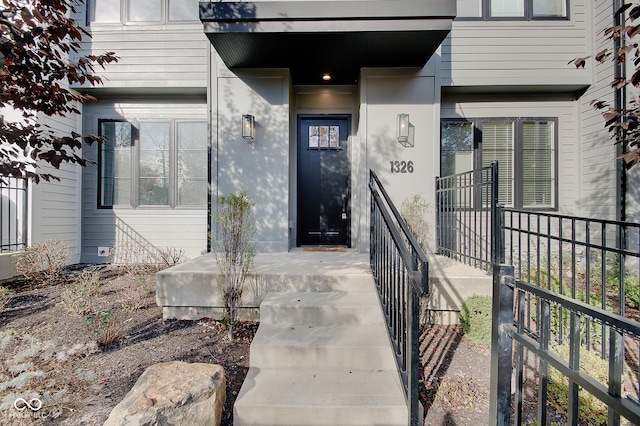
(338, 37)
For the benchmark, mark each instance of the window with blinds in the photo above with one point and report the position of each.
(538, 169)
(525, 149)
(497, 145)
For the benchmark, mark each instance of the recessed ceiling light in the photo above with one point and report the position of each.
(326, 76)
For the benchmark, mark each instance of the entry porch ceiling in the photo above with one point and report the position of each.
(336, 37)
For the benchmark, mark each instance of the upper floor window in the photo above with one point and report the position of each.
(136, 11)
(525, 150)
(159, 163)
(513, 9)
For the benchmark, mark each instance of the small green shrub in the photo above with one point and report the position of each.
(590, 409)
(80, 297)
(475, 319)
(632, 292)
(43, 262)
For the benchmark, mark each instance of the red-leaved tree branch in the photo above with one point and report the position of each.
(38, 39)
(623, 122)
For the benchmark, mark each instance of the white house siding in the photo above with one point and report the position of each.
(151, 228)
(159, 56)
(506, 53)
(598, 197)
(568, 152)
(54, 207)
(261, 166)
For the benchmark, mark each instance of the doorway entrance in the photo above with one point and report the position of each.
(323, 181)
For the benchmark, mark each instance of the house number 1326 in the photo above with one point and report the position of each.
(401, 166)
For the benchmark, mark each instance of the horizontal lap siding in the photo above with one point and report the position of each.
(154, 228)
(153, 56)
(55, 205)
(516, 52)
(598, 196)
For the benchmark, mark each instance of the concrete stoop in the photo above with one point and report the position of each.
(321, 358)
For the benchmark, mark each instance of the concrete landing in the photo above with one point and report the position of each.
(191, 290)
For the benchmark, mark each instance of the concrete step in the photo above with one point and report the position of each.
(320, 308)
(323, 347)
(306, 397)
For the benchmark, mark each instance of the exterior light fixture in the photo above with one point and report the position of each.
(402, 129)
(326, 76)
(248, 127)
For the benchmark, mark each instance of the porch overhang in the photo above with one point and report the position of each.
(314, 37)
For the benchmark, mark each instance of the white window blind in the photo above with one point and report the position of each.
(497, 145)
(538, 180)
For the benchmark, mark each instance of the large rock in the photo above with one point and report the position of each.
(173, 393)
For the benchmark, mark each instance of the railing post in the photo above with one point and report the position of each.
(497, 219)
(501, 346)
(413, 364)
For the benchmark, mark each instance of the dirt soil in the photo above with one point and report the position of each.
(52, 354)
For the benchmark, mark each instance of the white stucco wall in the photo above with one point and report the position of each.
(385, 93)
(261, 166)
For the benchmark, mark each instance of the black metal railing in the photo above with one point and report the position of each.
(400, 269)
(13, 215)
(465, 205)
(569, 286)
(593, 260)
(511, 295)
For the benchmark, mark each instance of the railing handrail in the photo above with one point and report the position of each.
(401, 271)
(415, 246)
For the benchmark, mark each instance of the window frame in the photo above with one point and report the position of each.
(518, 136)
(173, 189)
(165, 12)
(528, 14)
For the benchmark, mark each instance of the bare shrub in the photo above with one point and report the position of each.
(80, 297)
(107, 325)
(135, 291)
(43, 262)
(235, 254)
(5, 298)
(170, 256)
(415, 210)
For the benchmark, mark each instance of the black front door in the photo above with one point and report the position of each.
(323, 181)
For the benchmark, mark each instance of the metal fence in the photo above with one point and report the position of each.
(465, 205)
(400, 270)
(13, 215)
(577, 293)
(566, 304)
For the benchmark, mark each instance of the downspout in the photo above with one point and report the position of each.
(620, 103)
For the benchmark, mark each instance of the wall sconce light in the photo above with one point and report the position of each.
(248, 127)
(402, 129)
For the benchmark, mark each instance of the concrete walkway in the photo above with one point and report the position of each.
(322, 356)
